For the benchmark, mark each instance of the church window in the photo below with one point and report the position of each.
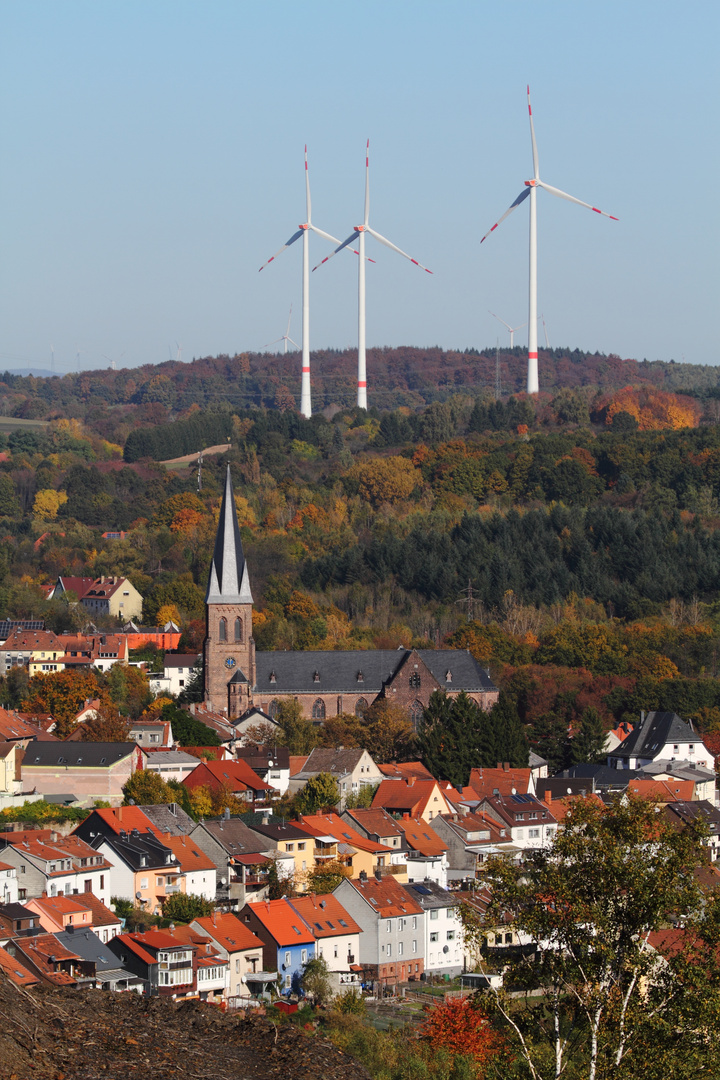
(360, 707)
(415, 680)
(274, 708)
(416, 713)
(222, 630)
(238, 630)
(318, 709)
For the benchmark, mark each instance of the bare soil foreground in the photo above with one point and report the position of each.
(87, 1034)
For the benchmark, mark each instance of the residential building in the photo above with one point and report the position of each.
(286, 838)
(164, 965)
(116, 597)
(353, 769)
(98, 650)
(211, 969)
(379, 826)
(241, 858)
(8, 884)
(105, 922)
(418, 798)
(75, 585)
(152, 734)
(443, 945)
(169, 818)
(271, 763)
(196, 872)
(98, 966)
(238, 945)
(48, 959)
(337, 936)
(21, 729)
(659, 737)
(57, 913)
(287, 942)
(500, 781)
(470, 840)
(426, 854)
(178, 669)
(57, 865)
(337, 840)
(325, 683)
(402, 770)
(145, 871)
(524, 820)
(682, 813)
(16, 972)
(233, 776)
(11, 785)
(17, 921)
(171, 764)
(91, 771)
(163, 637)
(21, 647)
(393, 929)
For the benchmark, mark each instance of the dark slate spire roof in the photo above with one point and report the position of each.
(229, 582)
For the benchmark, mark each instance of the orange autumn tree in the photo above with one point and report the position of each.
(461, 1027)
(654, 410)
(62, 694)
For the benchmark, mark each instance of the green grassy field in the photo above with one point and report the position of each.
(9, 424)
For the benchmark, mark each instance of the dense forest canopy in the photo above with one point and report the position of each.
(592, 508)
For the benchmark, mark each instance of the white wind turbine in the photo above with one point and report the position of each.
(512, 329)
(531, 187)
(286, 336)
(359, 235)
(304, 231)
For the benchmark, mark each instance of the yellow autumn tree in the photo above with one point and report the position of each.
(385, 480)
(47, 503)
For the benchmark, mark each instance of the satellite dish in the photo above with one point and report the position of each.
(223, 881)
(270, 764)
(138, 896)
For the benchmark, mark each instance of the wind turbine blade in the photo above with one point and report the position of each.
(571, 198)
(367, 183)
(308, 204)
(521, 197)
(325, 235)
(288, 325)
(536, 171)
(273, 342)
(386, 242)
(350, 239)
(501, 320)
(293, 238)
(293, 343)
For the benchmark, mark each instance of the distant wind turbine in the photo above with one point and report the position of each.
(531, 187)
(286, 336)
(304, 231)
(358, 234)
(512, 329)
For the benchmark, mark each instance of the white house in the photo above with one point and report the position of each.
(171, 764)
(443, 928)
(661, 736)
(8, 884)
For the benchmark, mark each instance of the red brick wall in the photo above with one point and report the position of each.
(217, 672)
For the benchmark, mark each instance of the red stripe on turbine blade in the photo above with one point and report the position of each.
(596, 210)
(613, 218)
(415, 261)
(426, 270)
(495, 226)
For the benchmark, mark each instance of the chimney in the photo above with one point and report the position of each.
(119, 813)
(547, 797)
(506, 765)
(378, 875)
(411, 781)
(226, 813)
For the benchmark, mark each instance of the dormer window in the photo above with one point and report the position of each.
(359, 676)
(316, 676)
(273, 677)
(448, 676)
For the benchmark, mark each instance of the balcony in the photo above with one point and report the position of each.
(394, 870)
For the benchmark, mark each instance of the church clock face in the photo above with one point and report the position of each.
(230, 663)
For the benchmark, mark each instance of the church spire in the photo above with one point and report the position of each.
(229, 582)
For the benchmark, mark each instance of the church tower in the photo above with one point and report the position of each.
(229, 647)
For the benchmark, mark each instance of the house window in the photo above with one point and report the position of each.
(359, 676)
(434, 936)
(303, 956)
(287, 959)
(102, 881)
(400, 948)
(289, 847)
(389, 925)
(389, 950)
(414, 945)
(415, 680)
(534, 834)
(434, 913)
(238, 629)
(414, 922)
(318, 709)
(222, 630)
(302, 845)
(237, 965)
(361, 706)
(451, 935)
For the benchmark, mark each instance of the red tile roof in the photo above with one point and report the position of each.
(409, 796)
(323, 914)
(233, 775)
(421, 837)
(331, 825)
(126, 818)
(377, 821)
(665, 790)
(386, 897)
(405, 769)
(189, 855)
(229, 932)
(486, 781)
(15, 970)
(280, 920)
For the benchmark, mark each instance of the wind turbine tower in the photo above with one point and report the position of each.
(285, 338)
(512, 329)
(304, 231)
(531, 187)
(358, 234)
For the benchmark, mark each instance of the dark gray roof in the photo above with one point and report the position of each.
(286, 831)
(133, 846)
(182, 660)
(654, 732)
(228, 582)
(428, 894)
(234, 835)
(689, 811)
(603, 775)
(294, 672)
(17, 911)
(169, 818)
(322, 759)
(258, 757)
(87, 944)
(77, 755)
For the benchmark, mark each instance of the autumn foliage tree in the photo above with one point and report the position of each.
(461, 1026)
(62, 694)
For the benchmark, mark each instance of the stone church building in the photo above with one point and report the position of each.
(238, 678)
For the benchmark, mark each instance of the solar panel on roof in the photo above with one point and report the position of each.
(422, 889)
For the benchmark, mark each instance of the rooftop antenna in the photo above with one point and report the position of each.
(285, 338)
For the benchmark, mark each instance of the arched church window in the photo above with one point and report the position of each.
(415, 680)
(416, 713)
(361, 706)
(238, 629)
(318, 709)
(274, 708)
(222, 630)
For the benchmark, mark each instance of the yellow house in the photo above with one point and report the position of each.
(46, 658)
(337, 839)
(114, 596)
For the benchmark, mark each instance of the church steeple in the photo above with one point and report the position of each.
(229, 582)
(229, 646)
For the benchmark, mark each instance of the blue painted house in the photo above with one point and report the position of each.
(287, 942)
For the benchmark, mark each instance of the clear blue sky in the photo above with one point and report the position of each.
(151, 160)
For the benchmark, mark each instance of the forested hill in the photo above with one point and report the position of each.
(406, 376)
